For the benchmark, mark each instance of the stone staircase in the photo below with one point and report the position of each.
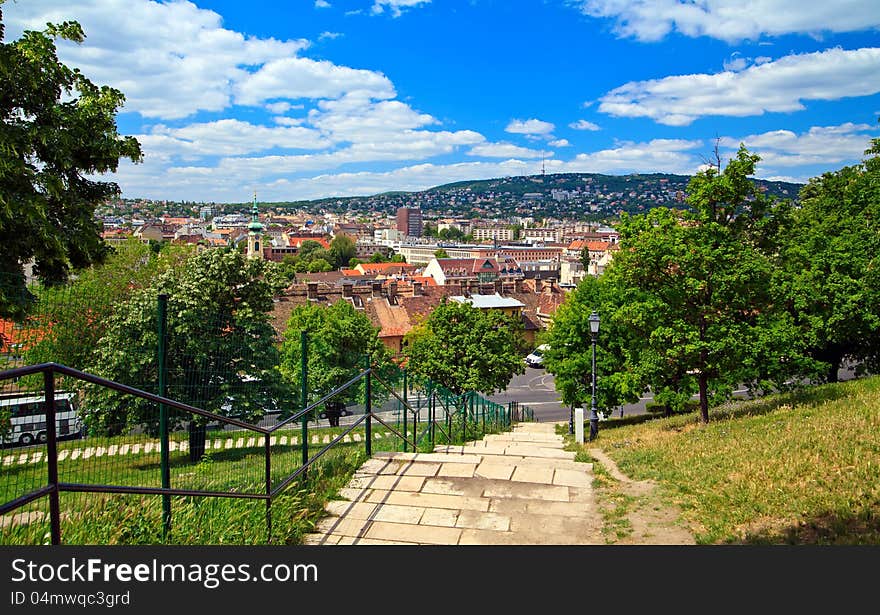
(515, 488)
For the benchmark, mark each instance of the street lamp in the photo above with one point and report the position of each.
(594, 416)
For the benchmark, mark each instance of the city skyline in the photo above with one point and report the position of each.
(341, 98)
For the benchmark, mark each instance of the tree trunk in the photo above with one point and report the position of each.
(704, 398)
(197, 435)
(833, 368)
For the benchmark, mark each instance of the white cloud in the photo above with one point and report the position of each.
(559, 143)
(584, 125)
(505, 150)
(396, 7)
(174, 59)
(732, 20)
(329, 36)
(530, 127)
(777, 86)
(820, 145)
(322, 4)
(279, 107)
(228, 138)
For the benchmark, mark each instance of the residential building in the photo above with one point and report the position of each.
(409, 221)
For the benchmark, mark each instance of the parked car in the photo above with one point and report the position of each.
(536, 357)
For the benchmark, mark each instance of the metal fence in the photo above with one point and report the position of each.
(186, 444)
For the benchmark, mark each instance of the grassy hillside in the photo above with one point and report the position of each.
(801, 468)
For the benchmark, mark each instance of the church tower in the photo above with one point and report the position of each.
(255, 233)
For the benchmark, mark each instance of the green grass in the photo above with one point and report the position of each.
(98, 518)
(798, 468)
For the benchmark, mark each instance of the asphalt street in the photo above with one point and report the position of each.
(536, 389)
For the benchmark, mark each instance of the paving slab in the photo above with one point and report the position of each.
(499, 471)
(470, 519)
(444, 517)
(461, 470)
(532, 474)
(529, 491)
(429, 500)
(385, 481)
(572, 478)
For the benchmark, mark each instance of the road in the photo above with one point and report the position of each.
(536, 389)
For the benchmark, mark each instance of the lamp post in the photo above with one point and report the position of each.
(594, 416)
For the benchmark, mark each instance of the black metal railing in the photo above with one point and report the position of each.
(460, 417)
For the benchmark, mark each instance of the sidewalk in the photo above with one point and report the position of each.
(516, 488)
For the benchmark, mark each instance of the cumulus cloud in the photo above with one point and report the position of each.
(322, 4)
(584, 125)
(559, 143)
(506, 150)
(777, 86)
(396, 7)
(175, 59)
(820, 145)
(732, 20)
(530, 127)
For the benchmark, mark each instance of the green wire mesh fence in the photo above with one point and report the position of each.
(166, 426)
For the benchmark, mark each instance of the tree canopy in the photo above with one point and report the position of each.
(829, 276)
(221, 351)
(339, 340)
(57, 128)
(466, 349)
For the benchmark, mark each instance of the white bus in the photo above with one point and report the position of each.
(27, 418)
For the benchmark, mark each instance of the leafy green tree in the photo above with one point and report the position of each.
(319, 265)
(221, 351)
(569, 356)
(697, 286)
(339, 340)
(378, 257)
(75, 316)
(830, 273)
(58, 130)
(354, 262)
(398, 258)
(441, 253)
(342, 250)
(466, 349)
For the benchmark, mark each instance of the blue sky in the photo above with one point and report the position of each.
(313, 98)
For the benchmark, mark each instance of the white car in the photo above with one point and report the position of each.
(536, 357)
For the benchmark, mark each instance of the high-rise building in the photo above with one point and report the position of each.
(409, 221)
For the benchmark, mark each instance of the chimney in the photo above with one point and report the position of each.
(392, 289)
(377, 288)
(417, 289)
(347, 289)
(517, 285)
(464, 288)
(499, 286)
(312, 290)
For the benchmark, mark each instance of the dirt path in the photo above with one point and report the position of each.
(649, 521)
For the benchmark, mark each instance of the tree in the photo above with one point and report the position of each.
(354, 262)
(569, 356)
(221, 353)
(696, 285)
(342, 250)
(57, 129)
(441, 253)
(466, 349)
(398, 258)
(829, 277)
(75, 316)
(378, 257)
(339, 340)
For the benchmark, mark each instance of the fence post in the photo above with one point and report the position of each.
(432, 414)
(464, 413)
(483, 415)
(368, 409)
(405, 410)
(268, 490)
(304, 394)
(162, 318)
(52, 454)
